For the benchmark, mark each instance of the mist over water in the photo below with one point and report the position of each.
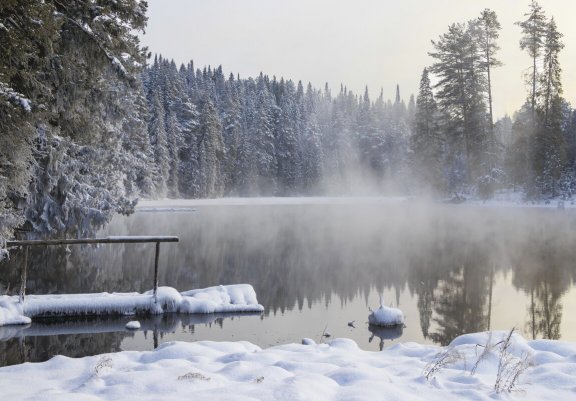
(318, 264)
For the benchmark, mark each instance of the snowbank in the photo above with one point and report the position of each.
(176, 205)
(231, 298)
(338, 370)
(220, 299)
(133, 325)
(386, 317)
(11, 312)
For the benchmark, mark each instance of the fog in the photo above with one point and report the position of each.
(317, 262)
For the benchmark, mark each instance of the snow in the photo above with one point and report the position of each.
(87, 28)
(183, 204)
(133, 325)
(220, 299)
(337, 370)
(15, 97)
(386, 316)
(118, 65)
(11, 312)
(165, 209)
(505, 199)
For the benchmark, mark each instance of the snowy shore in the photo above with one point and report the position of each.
(466, 370)
(504, 199)
(219, 299)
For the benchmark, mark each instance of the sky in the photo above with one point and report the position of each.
(358, 43)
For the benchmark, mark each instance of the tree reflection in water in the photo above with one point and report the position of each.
(445, 259)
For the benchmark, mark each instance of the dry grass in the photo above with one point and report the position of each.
(443, 359)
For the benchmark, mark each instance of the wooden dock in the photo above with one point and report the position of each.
(25, 244)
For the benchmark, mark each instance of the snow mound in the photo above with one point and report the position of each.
(220, 299)
(133, 325)
(386, 316)
(339, 370)
(11, 312)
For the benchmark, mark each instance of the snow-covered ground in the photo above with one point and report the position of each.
(175, 205)
(517, 199)
(479, 366)
(501, 199)
(220, 299)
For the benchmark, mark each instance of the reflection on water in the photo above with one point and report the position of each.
(385, 333)
(452, 269)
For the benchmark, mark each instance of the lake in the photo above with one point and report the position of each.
(316, 265)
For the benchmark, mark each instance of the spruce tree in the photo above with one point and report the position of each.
(460, 95)
(210, 152)
(426, 141)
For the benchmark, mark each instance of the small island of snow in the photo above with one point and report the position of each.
(133, 325)
(386, 317)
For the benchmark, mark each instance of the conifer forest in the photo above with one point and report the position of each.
(91, 121)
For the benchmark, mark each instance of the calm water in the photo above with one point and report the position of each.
(452, 269)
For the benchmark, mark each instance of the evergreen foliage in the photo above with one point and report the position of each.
(86, 127)
(267, 136)
(69, 82)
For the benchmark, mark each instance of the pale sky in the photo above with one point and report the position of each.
(378, 43)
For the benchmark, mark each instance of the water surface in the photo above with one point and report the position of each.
(316, 266)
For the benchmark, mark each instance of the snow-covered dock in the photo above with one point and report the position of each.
(220, 299)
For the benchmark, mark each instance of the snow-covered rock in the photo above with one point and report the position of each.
(386, 316)
(133, 325)
(220, 299)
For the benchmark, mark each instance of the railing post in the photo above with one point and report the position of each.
(23, 275)
(156, 272)
(155, 337)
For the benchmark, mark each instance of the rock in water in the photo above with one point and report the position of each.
(386, 317)
(133, 325)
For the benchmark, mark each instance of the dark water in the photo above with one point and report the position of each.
(452, 269)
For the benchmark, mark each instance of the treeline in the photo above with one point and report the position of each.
(224, 136)
(216, 136)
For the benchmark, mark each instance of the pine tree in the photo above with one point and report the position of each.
(137, 155)
(262, 137)
(551, 76)
(231, 133)
(210, 152)
(426, 141)
(287, 138)
(533, 29)
(488, 28)
(73, 128)
(367, 136)
(159, 143)
(311, 147)
(461, 89)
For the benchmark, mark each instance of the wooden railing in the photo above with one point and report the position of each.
(108, 240)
